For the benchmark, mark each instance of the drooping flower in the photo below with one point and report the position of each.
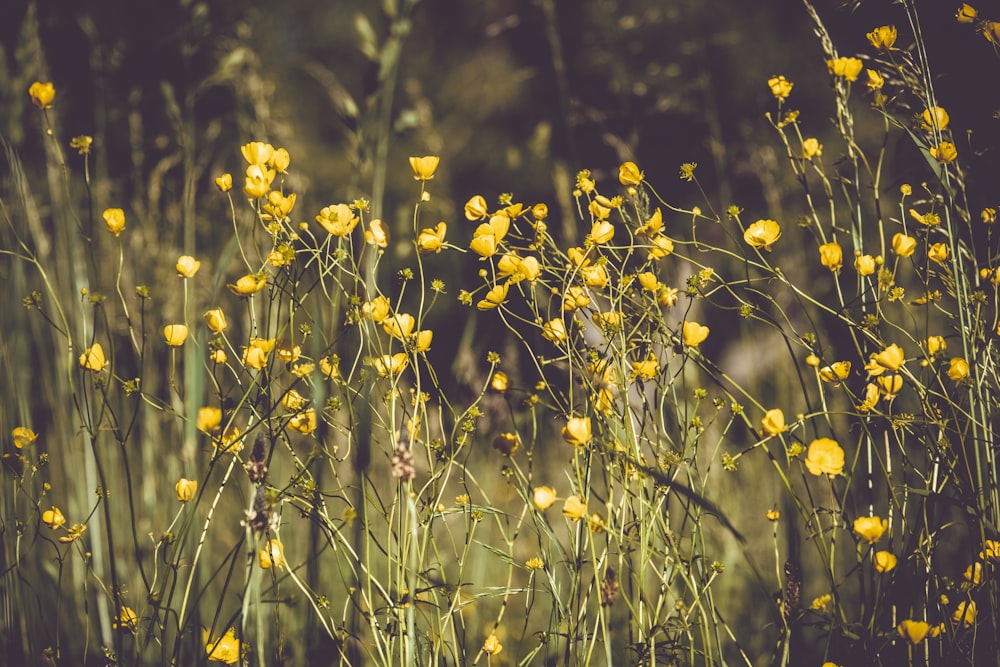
(42, 94)
(831, 255)
(870, 400)
(114, 220)
(424, 167)
(773, 422)
(543, 497)
(23, 436)
(780, 87)
(337, 219)
(216, 320)
(226, 649)
(848, 68)
(175, 334)
(93, 358)
(694, 334)
(577, 431)
(431, 240)
(870, 528)
(185, 489)
(825, 457)
(762, 234)
(884, 561)
(53, 517)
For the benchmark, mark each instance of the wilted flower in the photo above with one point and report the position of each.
(762, 234)
(226, 649)
(185, 489)
(114, 220)
(577, 431)
(870, 528)
(216, 320)
(903, 245)
(831, 255)
(849, 68)
(23, 436)
(694, 334)
(175, 334)
(543, 497)
(883, 37)
(93, 358)
(958, 369)
(424, 167)
(780, 87)
(42, 94)
(431, 240)
(337, 219)
(885, 561)
(871, 398)
(825, 457)
(53, 517)
(773, 422)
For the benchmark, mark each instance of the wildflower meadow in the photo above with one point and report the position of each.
(261, 415)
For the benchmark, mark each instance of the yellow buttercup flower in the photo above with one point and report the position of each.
(82, 144)
(114, 220)
(884, 561)
(599, 209)
(938, 252)
(574, 508)
(848, 68)
(966, 13)
(872, 395)
(226, 649)
(399, 326)
(661, 247)
(870, 528)
(42, 94)
(647, 369)
(255, 354)
(337, 219)
(694, 334)
(329, 366)
(224, 182)
(889, 359)
(762, 234)
(216, 320)
(518, 268)
(424, 167)
(595, 275)
(648, 281)
(499, 382)
(185, 489)
(575, 297)
(577, 431)
(875, 79)
(936, 344)
(376, 310)
(651, 227)
(431, 240)
(883, 37)
(543, 497)
(915, 631)
(175, 334)
(23, 436)
(944, 152)
(257, 153)
(958, 369)
(890, 385)
(811, 148)
(507, 443)
(780, 87)
(554, 331)
(929, 219)
(127, 618)
(494, 297)
(248, 284)
(974, 573)
(93, 358)
(377, 234)
(825, 457)
(934, 119)
(835, 372)
(422, 340)
(773, 422)
(257, 181)
(601, 232)
(492, 645)
(667, 296)
(772, 515)
(831, 255)
(278, 206)
(629, 174)
(475, 208)
(864, 265)
(53, 517)
(391, 364)
(304, 422)
(280, 159)
(187, 266)
(273, 555)
(965, 613)
(209, 419)
(903, 245)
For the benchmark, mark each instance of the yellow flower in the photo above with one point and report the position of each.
(974, 574)
(377, 234)
(257, 153)
(849, 68)
(554, 331)
(391, 364)
(114, 220)
(934, 119)
(694, 334)
(577, 431)
(303, 422)
(864, 265)
(431, 240)
(891, 358)
(209, 419)
(518, 268)
(903, 245)
(988, 215)
(495, 297)
(42, 94)
(653, 226)
(772, 515)
(475, 208)
(543, 497)
(187, 266)
(831, 255)
(780, 87)
(534, 563)
(938, 252)
(667, 296)
(595, 275)
(278, 206)
(811, 148)
(835, 372)
(499, 382)
(376, 310)
(647, 369)
(890, 385)
(773, 422)
(273, 555)
(762, 234)
(599, 209)
(127, 618)
(885, 561)
(915, 631)
(337, 219)
(870, 528)
(216, 320)
(255, 354)
(965, 613)
(248, 284)
(958, 368)
(629, 174)
(871, 398)
(929, 219)
(424, 167)
(506, 443)
(825, 457)
(23, 436)
(492, 645)
(399, 326)
(226, 649)
(175, 334)
(944, 152)
(93, 358)
(224, 182)
(185, 489)
(821, 603)
(936, 344)
(966, 13)
(257, 181)
(875, 79)
(601, 232)
(883, 37)
(82, 144)
(991, 551)
(330, 366)
(422, 340)
(661, 247)
(53, 517)
(648, 281)
(575, 297)
(574, 508)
